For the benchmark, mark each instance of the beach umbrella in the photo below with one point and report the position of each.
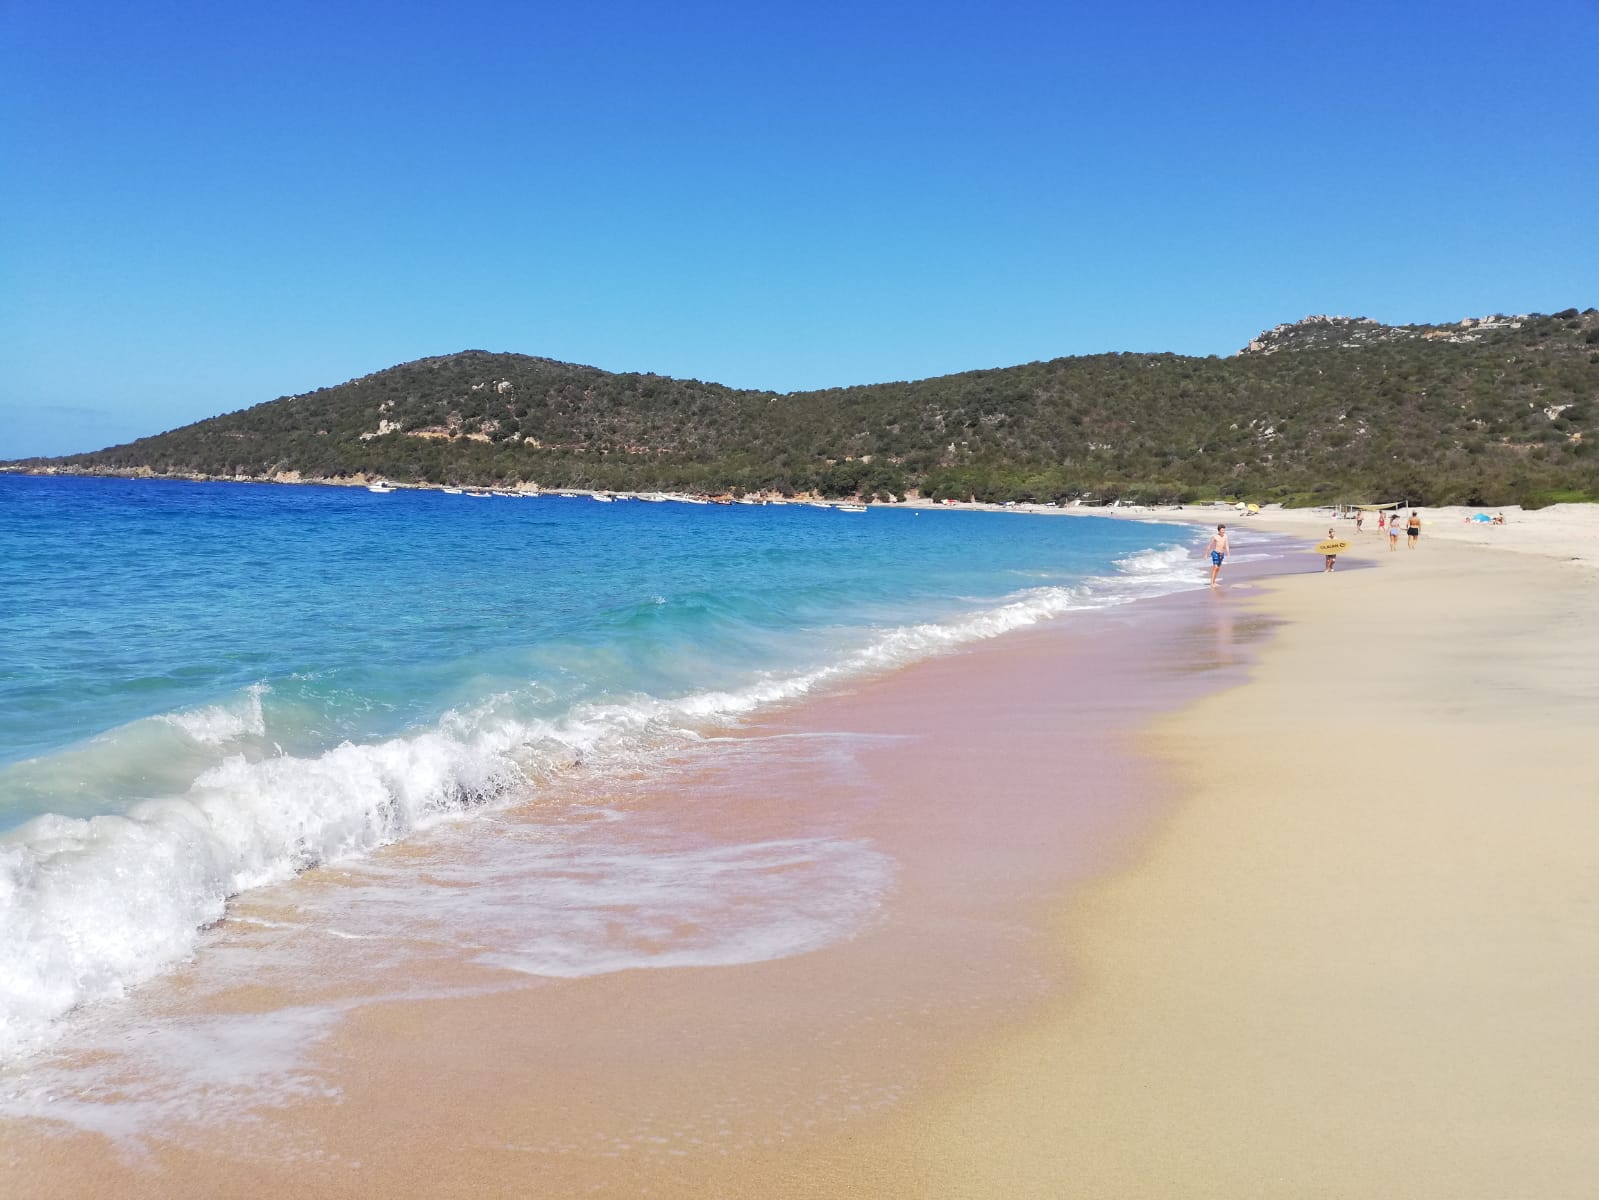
(1482, 518)
(1254, 508)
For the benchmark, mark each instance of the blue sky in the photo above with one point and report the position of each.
(205, 206)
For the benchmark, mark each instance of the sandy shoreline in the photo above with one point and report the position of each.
(1361, 956)
(1327, 932)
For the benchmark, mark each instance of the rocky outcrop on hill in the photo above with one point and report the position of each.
(1324, 332)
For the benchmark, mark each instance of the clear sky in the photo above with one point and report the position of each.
(204, 206)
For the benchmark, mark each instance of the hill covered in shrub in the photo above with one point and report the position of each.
(1495, 410)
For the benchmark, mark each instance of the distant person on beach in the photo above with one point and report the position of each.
(1393, 534)
(1499, 519)
(1218, 552)
(1382, 521)
(1332, 559)
(1360, 520)
(1412, 529)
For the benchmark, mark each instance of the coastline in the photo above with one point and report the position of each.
(1309, 939)
(690, 1078)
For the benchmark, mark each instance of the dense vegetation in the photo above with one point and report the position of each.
(1495, 413)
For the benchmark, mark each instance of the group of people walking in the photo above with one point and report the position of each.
(1219, 547)
(1412, 528)
(1388, 524)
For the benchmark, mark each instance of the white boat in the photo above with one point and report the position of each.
(382, 486)
(851, 507)
(452, 491)
(602, 498)
(653, 498)
(818, 504)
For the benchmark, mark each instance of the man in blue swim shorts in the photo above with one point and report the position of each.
(1218, 552)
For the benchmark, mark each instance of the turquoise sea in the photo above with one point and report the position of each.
(206, 688)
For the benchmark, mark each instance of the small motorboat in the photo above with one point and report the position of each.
(382, 487)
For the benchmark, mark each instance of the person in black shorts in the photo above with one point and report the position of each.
(1412, 529)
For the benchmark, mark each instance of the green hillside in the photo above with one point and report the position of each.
(1496, 411)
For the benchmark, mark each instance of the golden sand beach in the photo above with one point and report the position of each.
(1304, 903)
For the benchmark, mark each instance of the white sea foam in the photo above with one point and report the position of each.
(205, 1071)
(558, 900)
(1159, 561)
(92, 906)
(219, 724)
(709, 907)
(598, 901)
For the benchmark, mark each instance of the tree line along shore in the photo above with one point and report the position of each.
(1487, 411)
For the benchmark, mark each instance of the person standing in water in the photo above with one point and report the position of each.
(1218, 552)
